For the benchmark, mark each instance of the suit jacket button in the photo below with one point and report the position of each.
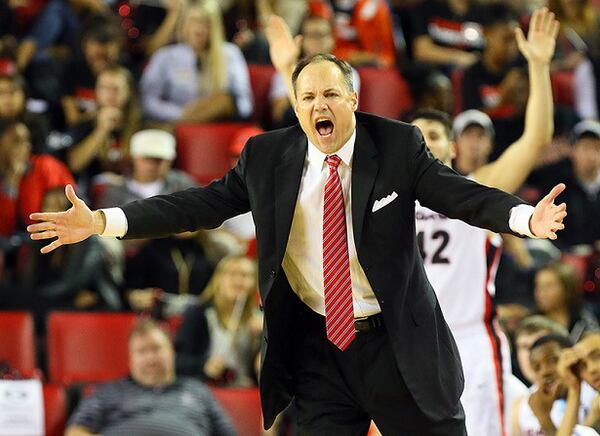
(272, 273)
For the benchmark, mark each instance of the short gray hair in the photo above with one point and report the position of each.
(344, 67)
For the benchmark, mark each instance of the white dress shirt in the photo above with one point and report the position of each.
(303, 259)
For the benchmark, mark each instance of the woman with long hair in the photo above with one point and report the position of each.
(557, 296)
(203, 78)
(101, 143)
(219, 338)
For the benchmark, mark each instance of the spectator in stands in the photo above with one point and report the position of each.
(581, 173)
(578, 364)
(474, 135)
(441, 33)
(101, 47)
(202, 79)
(558, 296)
(101, 143)
(316, 37)
(578, 51)
(495, 84)
(542, 410)
(13, 99)
(364, 34)
(175, 265)
(530, 330)
(429, 87)
(58, 22)
(153, 400)
(218, 338)
(24, 178)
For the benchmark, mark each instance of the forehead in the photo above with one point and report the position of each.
(319, 76)
(588, 141)
(590, 344)
(316, 23)
(112, 77)
(545, 351)
(148, 337)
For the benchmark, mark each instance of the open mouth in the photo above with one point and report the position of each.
(324, 127)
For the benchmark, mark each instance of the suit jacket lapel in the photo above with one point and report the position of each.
(364, 172)
(287, 184)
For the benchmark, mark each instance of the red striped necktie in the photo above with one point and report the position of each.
(339, 310)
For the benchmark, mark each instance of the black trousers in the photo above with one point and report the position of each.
(338, 393)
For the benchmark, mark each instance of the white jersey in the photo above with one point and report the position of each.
(461, 263)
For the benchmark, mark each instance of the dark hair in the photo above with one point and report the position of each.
(103, 30)
(344, 67)
(492, 14)
(563, 341)
(16, 79)
(434, 115)
(568, 279)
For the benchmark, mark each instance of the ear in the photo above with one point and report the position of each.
(354, 97)
(452, 149)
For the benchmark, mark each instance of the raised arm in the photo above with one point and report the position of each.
(511, 169)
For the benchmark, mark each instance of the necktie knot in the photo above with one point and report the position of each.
(333, 161)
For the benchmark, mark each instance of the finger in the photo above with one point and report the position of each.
(547, 17)
(298, 41)
(520, 37)
(555, 192)
(38, 227)
(557, 226)
(552, 236)
(51, 247)
(533, 23)
(49, 234)
(560, 216)
(70, 193)
(555, 29)
(45, 216)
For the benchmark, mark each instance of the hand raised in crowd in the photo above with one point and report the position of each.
(541, 37)
(283, 48)
(108, 119)
(547, 218)
(69, 227)
(567, 367)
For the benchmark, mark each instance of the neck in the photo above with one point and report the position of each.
(560, 315)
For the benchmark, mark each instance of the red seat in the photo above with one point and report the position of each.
(203, 149)
(242, 405)
(17, 341)
(562, 88)
(88, 347)
(260, 80)
(384, 93)
(55, 410)
(7, 66)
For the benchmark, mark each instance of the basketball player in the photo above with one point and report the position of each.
(461, 260)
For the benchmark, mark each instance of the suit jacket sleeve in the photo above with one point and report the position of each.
(194, 208)
(439, 188)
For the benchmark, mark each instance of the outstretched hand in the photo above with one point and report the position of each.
(541, 37)
(284, 49)
(75, 225)
(547, 217)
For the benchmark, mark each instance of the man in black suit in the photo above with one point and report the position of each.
(356, 333)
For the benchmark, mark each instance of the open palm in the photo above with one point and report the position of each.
(283, 48)
(69, 227)
(541, 37)
(547, 217)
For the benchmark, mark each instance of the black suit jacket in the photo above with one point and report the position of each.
(388, 156)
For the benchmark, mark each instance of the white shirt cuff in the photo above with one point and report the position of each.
(519, 220)
(116, 222)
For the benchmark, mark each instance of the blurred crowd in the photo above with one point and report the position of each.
(92, 93)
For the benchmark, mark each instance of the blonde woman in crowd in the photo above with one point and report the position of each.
(201, 79)
(218, 339)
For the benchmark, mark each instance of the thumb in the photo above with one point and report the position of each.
(555, 192)
(298, 41)
(520, 36)
(71, 196)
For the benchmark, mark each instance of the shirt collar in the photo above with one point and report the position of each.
(317, 157)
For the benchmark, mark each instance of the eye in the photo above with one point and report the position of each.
(307, 98)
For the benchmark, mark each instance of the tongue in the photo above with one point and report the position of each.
(325, 128)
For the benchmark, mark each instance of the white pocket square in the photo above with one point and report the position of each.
(384, 201)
